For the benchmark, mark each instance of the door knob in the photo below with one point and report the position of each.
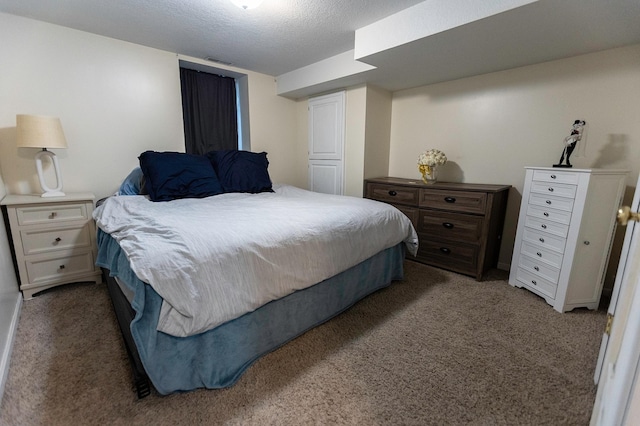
(625, 215)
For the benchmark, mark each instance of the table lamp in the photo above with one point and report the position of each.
(36, 131)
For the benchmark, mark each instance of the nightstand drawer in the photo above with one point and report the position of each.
(459, 201)
(35, 241)
(393, 194)
(55, 268)
(452, 226)
(38, 215)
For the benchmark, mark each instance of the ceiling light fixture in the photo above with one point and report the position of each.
(247, 4)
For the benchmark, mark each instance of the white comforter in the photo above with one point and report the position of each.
(217, 258)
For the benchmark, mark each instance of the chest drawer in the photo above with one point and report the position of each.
(544, 240)
(558, 229)
(537, 283)
(453, 226)
(541, 200)
(541, 269)
(393, 194)
(555, 176)
(542, 254)
(458, 201)
(38, 215)
(63, 238)
(557, 189)
(545, 213)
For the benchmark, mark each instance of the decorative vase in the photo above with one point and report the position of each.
(429, 174)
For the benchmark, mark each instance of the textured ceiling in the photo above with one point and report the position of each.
(277, 37)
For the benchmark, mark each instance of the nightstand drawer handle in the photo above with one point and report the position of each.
(57, 240)
(445, 250)
(393, 193)
(53, 215)
(550, 189)
(543, 226)
(448, 225)
(450, 199)
(534, 282)
(61, 266)
(553, 176)
(539, 254)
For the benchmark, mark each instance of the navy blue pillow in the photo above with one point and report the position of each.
(173, 175)
(242, 171)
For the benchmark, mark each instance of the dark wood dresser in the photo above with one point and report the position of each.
(459, 225)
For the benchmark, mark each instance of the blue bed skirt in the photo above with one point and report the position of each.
(217, 358)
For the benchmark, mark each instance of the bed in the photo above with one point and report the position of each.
(205, 284)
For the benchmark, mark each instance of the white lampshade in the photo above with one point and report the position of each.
(38, 131)
(247, 4)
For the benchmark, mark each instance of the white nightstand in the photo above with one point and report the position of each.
(53, 240)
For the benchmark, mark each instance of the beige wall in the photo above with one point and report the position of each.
(491, 126)
(115, 100)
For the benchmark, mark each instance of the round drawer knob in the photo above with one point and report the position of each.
(550, 189)
(534, 282)
(539, 254)
(58, 239)
(548, 202)
(542, 240)
(61, 266)
(393, 193)
(536, 268)
(544, 226)
(553, 176)
(546, 214)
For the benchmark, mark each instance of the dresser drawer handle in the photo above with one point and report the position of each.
(448, 225)
(546, 214)
(543, 226)
(542, 240)
(445, 250)
(553, 176)
(57, 240)
(393, 193)
(450, 199)
(548, 202)
(550, 189)
(534, 282)
(539, 254)
(536, 268)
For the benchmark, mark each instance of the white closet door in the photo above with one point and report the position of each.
(326, 143)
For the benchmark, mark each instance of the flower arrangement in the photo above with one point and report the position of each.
(428, 160)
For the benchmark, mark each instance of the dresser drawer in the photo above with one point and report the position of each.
(544, 240)
(410, 212)
(557, 189)
(55, 268)
(393, 194)
(559, 203)
(452, 226)
(554, 228)
(555, 176)
(546, 213)
(457, 256)
(536, 283)
(542, 254)
(459, 201)
(37, 215)
(63, 238)
(539, 268)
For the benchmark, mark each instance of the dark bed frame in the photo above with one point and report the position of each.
(125, 314)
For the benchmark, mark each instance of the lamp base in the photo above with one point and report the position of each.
(49, 192)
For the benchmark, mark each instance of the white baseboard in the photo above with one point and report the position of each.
(5, 352)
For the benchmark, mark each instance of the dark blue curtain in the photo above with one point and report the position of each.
(209, 111)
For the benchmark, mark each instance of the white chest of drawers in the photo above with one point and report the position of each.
(564, 236)
(53, 240)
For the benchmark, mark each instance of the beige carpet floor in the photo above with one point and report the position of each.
(435, 349)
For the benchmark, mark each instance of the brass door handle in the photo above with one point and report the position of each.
(625, 215)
